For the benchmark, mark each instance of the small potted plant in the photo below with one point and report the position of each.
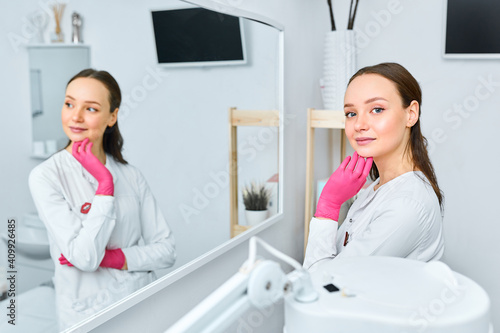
(255, 199)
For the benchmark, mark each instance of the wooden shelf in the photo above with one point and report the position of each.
(238, 118)
(330, 119)
(238, 229)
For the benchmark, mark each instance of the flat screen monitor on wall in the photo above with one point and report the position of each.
(472, 29)
(198, 37)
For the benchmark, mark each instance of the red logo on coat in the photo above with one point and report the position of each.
(85, 208)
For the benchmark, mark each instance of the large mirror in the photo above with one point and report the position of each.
(175, 125)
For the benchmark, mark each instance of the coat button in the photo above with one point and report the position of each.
(350, 220)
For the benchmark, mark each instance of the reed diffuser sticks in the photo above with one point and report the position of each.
(352, 14)
(332, 19)
(350, 24)
(58, 10)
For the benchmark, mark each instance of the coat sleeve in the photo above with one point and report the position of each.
(81, 241)
(321, 241)
(397, 229)
(158, 250)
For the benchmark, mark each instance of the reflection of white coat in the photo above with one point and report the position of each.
(130, 220)
(402, 218)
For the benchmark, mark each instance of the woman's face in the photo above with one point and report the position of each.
(377, 125)
(86, 111)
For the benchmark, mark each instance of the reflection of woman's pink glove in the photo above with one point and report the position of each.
(64, 261)
(343, 184)
(112, 259)
(82, 151)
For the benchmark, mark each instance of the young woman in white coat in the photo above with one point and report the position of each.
(107, 234)
(400, 213)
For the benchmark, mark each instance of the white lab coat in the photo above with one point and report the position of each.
(130, 220)
(402, 218)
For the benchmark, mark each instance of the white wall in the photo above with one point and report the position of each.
(464, 158)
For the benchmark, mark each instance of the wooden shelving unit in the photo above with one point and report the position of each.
(329, 119)
(237, 118)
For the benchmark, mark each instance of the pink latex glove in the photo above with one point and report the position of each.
(82, 151)
(64, 261)
(343, 184)
(112, 259)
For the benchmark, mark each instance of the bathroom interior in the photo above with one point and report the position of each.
(175, 125)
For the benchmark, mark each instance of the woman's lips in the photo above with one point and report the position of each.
(364, 141)
(77, 129)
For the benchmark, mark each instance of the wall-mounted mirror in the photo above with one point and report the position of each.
(178, 133)
(176, 129)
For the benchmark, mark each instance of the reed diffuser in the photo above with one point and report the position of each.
(339, 59)
(353, 9)
(58, 36)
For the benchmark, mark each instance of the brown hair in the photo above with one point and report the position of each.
(409, 90)
(112, 141)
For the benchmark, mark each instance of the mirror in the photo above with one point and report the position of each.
(176, 130)
(178, 133)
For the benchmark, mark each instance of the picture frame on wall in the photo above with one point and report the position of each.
(471, 29)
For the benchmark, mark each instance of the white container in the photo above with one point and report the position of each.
(254, 217)
(39, 148)
(338, 67)
(50, 146)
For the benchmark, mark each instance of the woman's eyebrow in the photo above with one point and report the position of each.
(370, 100)
(375, 99)
(92, 102)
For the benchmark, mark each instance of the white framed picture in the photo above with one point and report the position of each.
(471, 29)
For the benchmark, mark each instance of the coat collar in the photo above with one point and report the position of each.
(73, 163)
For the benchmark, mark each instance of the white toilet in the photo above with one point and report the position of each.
(32, 255)
(34, 271)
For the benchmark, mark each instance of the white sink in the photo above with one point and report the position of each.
(31, 241)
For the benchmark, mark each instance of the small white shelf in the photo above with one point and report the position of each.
(56, 45)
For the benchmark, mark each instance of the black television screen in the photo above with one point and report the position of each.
(472, 28)
(198, 37)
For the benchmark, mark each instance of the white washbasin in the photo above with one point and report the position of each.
(31, 242)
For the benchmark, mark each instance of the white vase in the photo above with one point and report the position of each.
(338, 67)
(254, 217)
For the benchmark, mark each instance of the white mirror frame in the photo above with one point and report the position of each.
(166, 280)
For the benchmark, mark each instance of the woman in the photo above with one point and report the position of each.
(399, 214)
(106, 232)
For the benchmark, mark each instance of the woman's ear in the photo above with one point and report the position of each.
(413, 113)
(113, 118)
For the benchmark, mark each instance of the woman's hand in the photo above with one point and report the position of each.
(64, 261)
(82, 151)
(112, 259)
(343, 184)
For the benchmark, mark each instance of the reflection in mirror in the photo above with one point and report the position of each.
(186, 121)
(175, 122)
(257, 150)
(50, 69)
